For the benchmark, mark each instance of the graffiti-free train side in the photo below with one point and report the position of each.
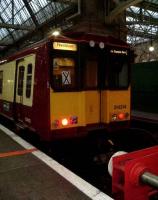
(67, 87)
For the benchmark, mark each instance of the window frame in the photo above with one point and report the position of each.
(1, 83)
(30, 85)
(108, 69)
(65, 54)
(21, 84)
(92, 51)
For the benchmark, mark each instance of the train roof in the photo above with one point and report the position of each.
(76, 37)
(34, 47)
(109, 40)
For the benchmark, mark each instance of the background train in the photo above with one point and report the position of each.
(145, 89)
(63, 88)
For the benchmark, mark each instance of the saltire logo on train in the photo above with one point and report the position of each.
(66, 77)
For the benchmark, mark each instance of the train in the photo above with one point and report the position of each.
(67, 86)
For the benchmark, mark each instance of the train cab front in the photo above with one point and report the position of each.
(90, 87)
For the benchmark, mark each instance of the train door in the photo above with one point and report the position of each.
(91, 82)
(23, 97)
(115, 95)
(106, 84)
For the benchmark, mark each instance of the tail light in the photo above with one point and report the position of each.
(121, 116)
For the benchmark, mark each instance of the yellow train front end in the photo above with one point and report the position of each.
(90, 88)
(116, 109)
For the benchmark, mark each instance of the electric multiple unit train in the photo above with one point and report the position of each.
(63, 88)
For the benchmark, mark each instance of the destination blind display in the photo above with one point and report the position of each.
(64, 46)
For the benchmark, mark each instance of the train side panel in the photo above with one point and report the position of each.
(23, 101)
(7, 79)
(41, 99)
(25, 91)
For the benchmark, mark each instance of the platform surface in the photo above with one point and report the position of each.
(144, 116)
(28, 174)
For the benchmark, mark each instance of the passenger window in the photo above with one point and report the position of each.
(21, 80)
(1, 81)
(118, 76)
(91, 74)
(29, 80)
(64, 73)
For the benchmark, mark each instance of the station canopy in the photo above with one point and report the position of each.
(142, 22)
(20, 17)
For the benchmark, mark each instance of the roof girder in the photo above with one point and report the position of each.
(15, 26)
(35, 21)
(7, 29)
(142, 19)
(120, 8)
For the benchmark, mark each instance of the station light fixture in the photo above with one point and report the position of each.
(56, 32)
(151, 48)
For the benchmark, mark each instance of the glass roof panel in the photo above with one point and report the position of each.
(43, 3)
(153, 1)
(151, 13)
(22, 16)
(140, 22)
(18, 4)
(36, 5)
(3, 32)
(16, 12)
(134, 9)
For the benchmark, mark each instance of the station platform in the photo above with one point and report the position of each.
(26, 173)
(144, 116)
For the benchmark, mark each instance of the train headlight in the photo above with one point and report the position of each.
(64, 122)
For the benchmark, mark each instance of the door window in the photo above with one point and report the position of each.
(21, 80)
(91, 74)
(118, 71)
(29, 80)
(1, 81)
